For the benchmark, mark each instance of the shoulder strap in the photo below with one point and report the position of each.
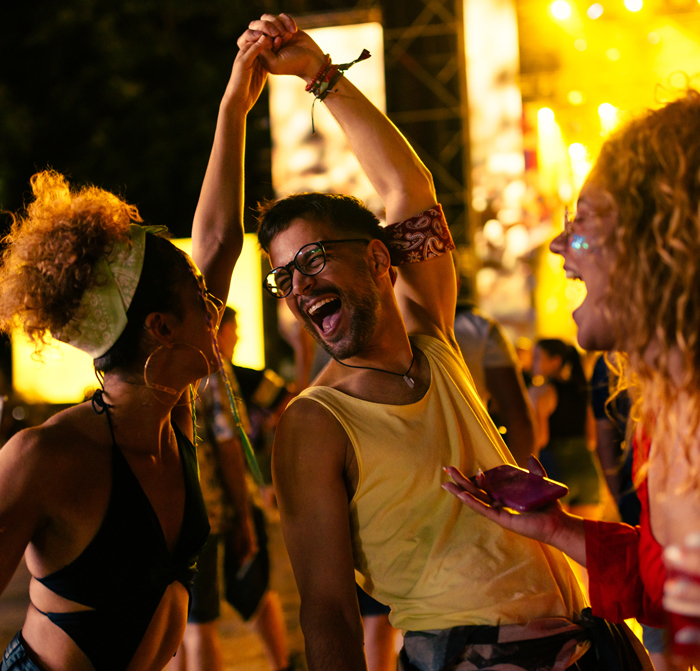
(101, 407)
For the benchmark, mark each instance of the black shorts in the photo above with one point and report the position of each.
(369, 606)
(15, 657)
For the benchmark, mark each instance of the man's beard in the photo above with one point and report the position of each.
(362, 302)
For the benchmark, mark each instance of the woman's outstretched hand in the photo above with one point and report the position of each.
(248, 74)
(289, 51)
(550, 524)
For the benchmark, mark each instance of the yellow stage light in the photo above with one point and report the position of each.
(608, 118)
(560, 9)
(552, 159)
(494, 233)
(575, 97)
(577, 151)
(479, 203)
(545, 120)
(565, 192)
(580, 166)
(607, 112)
(613, 54)
(61, 374)
(245, 296)
(514, 193)
(634, 5)
(581, 170)
(678, 81)
(302, 162)
(581, 45)
(517, 240)
(595, 11)
(654, 37)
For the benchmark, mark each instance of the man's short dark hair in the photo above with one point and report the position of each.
(347, 214)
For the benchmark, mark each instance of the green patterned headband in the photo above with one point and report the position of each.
(104, 305)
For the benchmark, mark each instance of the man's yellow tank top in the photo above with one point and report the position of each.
(417, 548)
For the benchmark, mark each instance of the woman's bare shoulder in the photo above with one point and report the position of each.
(64, 437)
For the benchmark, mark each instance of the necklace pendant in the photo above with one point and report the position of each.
(409, 381)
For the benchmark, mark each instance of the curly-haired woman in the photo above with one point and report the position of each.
(635, 243)
(103, 499)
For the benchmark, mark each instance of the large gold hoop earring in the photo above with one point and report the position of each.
(170, 390)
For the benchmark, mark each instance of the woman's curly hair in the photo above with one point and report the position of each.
(49, 254)
(651, 167)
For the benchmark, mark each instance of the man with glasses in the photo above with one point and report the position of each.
(359, 456)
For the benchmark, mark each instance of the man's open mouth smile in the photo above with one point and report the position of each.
(325, 313)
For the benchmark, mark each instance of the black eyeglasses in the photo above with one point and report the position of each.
(309, 260)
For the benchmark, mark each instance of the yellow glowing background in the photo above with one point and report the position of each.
(584, 68)
(63, 373)
(245, 297)
(614, 63)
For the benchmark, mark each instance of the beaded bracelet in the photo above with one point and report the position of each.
(327, 77)
(311, 86)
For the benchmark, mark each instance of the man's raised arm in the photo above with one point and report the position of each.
(426, 291)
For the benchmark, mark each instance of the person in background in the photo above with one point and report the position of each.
(495, 369)
(492, 362)
(562, 409)
(237, 529)
(611, 413)
(523, 350)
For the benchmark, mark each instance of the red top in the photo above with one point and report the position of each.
(625, 567)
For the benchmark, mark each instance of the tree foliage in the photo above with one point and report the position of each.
(123, 94)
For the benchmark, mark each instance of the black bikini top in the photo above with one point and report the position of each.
(124, 571)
